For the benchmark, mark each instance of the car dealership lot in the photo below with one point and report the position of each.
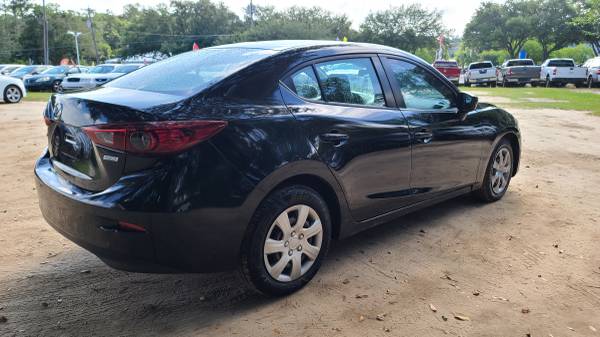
(527, 264)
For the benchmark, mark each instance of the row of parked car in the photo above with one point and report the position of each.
(16, 80)
(556, 72)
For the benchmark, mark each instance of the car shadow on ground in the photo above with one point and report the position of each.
(75, 293)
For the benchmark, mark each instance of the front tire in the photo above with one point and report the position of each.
(12, 94)
(291, 233)
(498, 173)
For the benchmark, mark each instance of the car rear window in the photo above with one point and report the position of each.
(481, 65)
(517, 63)
(445, 64)
(561, 63)
(190, 72)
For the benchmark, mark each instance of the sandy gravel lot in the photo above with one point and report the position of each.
(529, 264)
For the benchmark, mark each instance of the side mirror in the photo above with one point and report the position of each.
(466, 102)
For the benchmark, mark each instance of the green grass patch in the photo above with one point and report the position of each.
(34, 96)
(544, 98)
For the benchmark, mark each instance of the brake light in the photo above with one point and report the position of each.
(509, 72)
(598, 71)
(154, 137)
(554, 71)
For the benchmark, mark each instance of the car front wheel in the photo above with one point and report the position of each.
(290, 238)
(12, 94)
(498, 173)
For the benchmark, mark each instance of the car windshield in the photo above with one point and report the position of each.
(481, 65)
(55, 70)
(190, 72)
(23, 70)
(126, 69)
(515, 63)
(101, 69)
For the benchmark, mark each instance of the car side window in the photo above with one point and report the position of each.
(350, 81)
(305, 84)
(420, 88)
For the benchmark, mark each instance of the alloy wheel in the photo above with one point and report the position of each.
(501, 170)
(293, 243)
(13, 94)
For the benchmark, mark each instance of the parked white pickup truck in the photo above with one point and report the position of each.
(559, 72)
(481, 73)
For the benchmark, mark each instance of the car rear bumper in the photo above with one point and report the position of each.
(204, 240)
(521, 79)
(482, 80)
(67, 86)
(567, 80)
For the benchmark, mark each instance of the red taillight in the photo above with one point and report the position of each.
(554, 71)
(598, 71)
(154, 137)
(509, 72)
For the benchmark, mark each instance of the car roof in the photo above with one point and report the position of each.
(280, 46)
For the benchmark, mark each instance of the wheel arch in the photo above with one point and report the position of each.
(324, 189)
(516, 147)
(310, 173)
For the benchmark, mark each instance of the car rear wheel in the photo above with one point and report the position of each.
(56, 86)
(12, 94)
(498, 173)
(290, 238)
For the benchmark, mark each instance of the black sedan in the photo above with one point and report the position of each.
(258, 155)
(50, 79)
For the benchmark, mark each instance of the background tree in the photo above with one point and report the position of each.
(501, 26)
(408, 27)
(588, 22)
(553, 28)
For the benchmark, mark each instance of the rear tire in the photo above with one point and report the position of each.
(56, 86)
(498, 173)
(278, 256)
(12, 94)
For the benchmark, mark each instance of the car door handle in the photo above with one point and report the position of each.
(334, 138)
(424, 136)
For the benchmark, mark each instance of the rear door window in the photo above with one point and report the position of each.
(350, 81)
(304, 83)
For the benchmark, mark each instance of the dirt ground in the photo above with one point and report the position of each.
(529, 264)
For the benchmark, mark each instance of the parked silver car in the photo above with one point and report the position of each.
(593, 74)
(98, 75)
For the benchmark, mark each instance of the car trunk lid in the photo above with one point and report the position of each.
(74, 154)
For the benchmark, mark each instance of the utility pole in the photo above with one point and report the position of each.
(76, 35)
(90, 25)
(45, 24)
(251, 14)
